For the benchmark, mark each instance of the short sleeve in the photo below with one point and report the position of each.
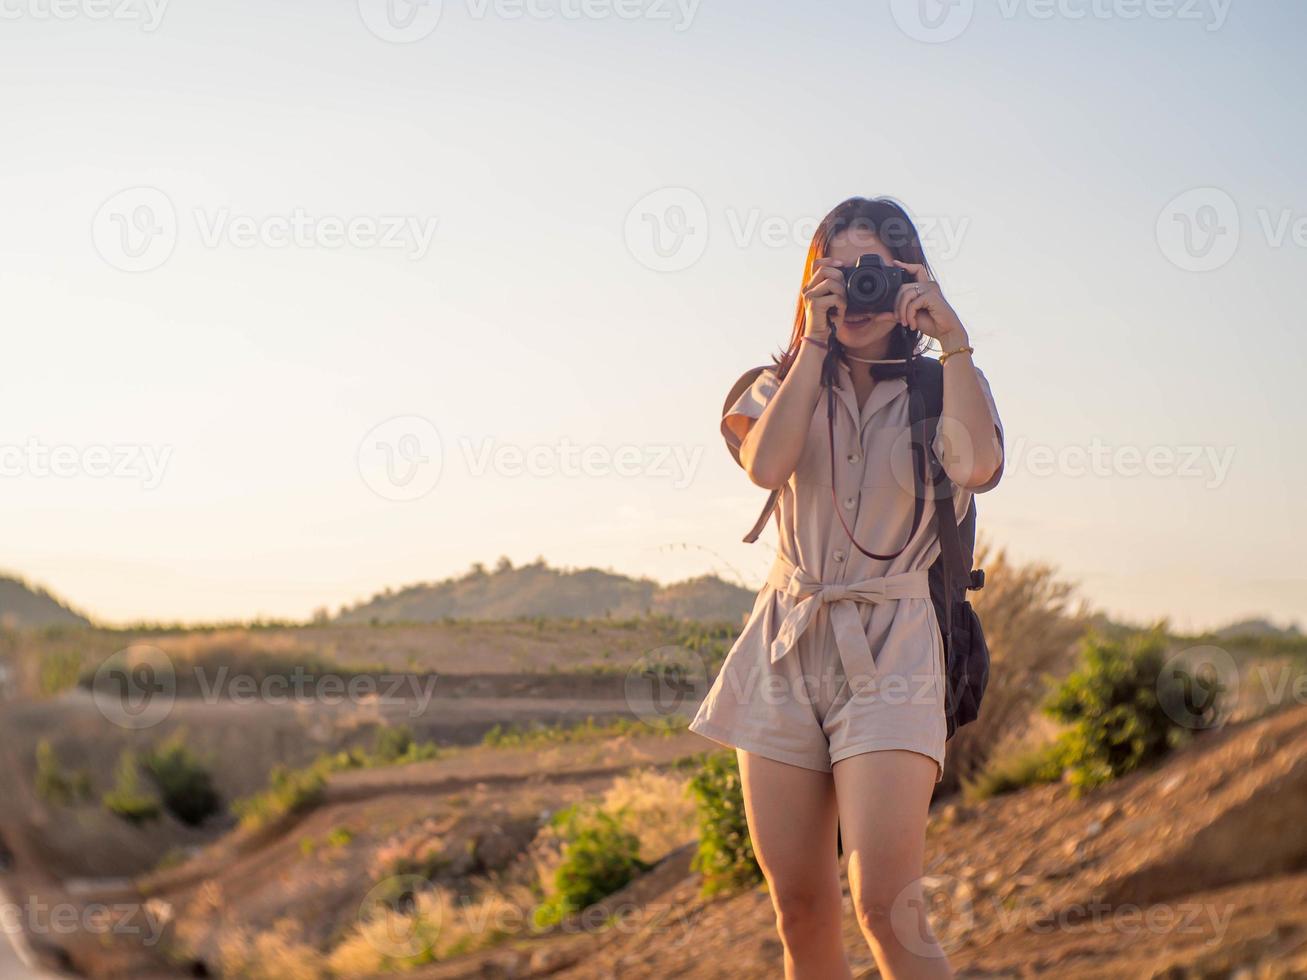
(941, 450)
(749, 404)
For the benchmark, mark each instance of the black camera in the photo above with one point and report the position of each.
(872, 286)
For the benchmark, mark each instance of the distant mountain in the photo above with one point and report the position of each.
(1257, 627)
(538, 590)
(24, 606)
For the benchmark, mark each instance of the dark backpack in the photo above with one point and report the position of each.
(965, 651)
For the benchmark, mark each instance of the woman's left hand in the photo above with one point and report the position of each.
(921, 305)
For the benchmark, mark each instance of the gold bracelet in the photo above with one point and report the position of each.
(961, 350)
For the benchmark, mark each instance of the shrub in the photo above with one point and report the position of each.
(390, 743)
(725, 856)
(53, 784)
(1116, 704)
(1006, 773)
(289, 791)
(538, 733)
(127, 799)
(1033, 622)
(183, 782)
(59, 671)
(293, 790)
(600, 857)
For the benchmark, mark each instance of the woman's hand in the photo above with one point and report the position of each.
(921, 306)
(824, 299)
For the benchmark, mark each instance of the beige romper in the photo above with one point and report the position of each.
(842, 653)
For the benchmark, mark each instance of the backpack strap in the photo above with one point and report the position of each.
(930, 381)
(743, 384)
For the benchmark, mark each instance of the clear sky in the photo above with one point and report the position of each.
(301, 300)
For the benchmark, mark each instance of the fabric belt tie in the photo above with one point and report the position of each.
(846, 623)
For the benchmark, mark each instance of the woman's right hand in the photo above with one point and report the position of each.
(824, 299)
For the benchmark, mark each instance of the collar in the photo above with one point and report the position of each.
(884, 392)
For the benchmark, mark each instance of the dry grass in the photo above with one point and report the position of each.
(1032, 622)
(443, 920)
(276, 954)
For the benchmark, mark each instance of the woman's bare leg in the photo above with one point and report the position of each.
(792, 823)
(883, 798)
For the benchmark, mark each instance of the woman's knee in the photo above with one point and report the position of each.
(884, 906)
(802, 903)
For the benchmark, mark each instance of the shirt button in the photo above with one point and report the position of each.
(848, 502)
(838, 556)
(854, 457)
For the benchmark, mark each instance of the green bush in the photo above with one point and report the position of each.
(183, 782)
(53, 784)
(1115, 704)
(599, 858)
(127, 799)
(725, 856)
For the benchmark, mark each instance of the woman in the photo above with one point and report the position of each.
(833, 696)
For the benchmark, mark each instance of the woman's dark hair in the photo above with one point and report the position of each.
(888, 221)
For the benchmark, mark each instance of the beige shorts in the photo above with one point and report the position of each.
(799, 709)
